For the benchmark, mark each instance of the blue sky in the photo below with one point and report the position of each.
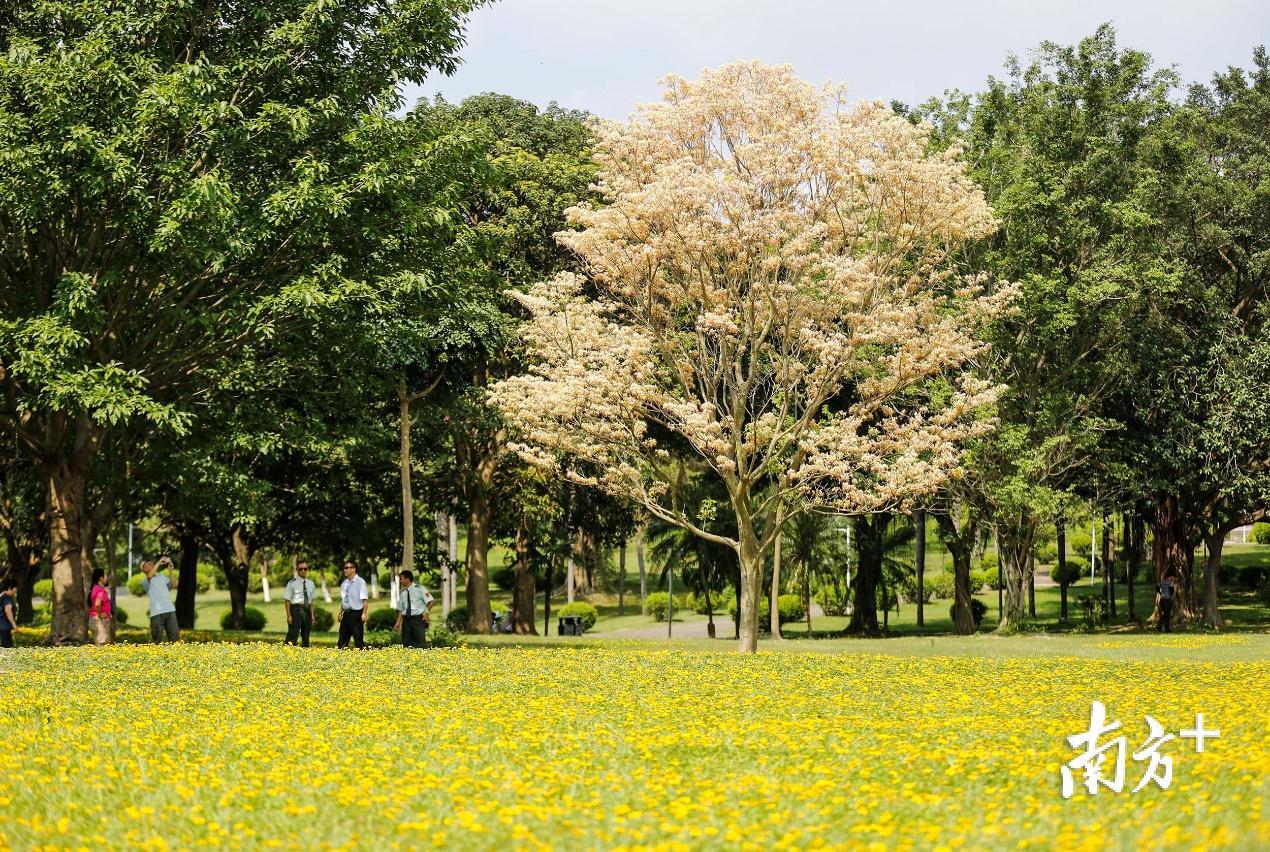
(607, 55)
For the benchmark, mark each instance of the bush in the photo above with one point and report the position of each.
(43, 589)
(589, 613)
(656, 605)
(440, 637)
(938, 585)
(323, 619)
(381, 619)
(1047, 552)
(121, 616)
(253, 619)
(978, 609)
(989, 561)
(1261, 533)
(1092, 615)
(504, 578)
(980, 580)
(1069, 572)
(456, 621)
(697, 603)
(134, 585)
(832, 600)
(1244, 576)
(790, 609)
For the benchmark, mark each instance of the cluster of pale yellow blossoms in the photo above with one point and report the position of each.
(261, 746)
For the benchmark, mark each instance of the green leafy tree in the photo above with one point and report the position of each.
(177, 183)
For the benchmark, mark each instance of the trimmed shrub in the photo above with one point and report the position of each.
(1069, 572)
(832, 600)
(1092, 615)
(1244, 576)
(589, 613)
(456, 621)
(1047, 552)
(656, 605)
(121, 616)
(323, 619)
(938, 585)
(253, 619)
(42, 615)
(989, 561)
(697, 603)
(43, 589)
(134, 585)
(980, 580)
(440, 637)
(978, 609)
(381, 619)
(1261, 533)
(790, 608)
(504, 578)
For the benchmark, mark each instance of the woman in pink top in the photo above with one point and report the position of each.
(100, 615)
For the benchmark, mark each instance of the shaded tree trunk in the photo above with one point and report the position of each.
(869, 532)
(643, 574)
(407, 497)
(1131, 535)
(1031, 584)
(919, 555)
(960, 542)
(1014, 548)
(1060, 529)
(523, 593)
(1212, 569)
(1108, 562)
(775, 616)
(237, 570)
(187, 588)
(67, 486)
(807, 595)
(478, 528)
(1171, 552)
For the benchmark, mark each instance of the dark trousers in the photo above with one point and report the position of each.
(6, 638)
(414, 631)
(301, 624)
(1166, 615)
(351, 627)
(164, 624)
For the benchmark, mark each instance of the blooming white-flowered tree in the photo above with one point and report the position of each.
(772, 281)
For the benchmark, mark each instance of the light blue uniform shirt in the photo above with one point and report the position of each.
(413, 600)
(353, 594)
(160, 597)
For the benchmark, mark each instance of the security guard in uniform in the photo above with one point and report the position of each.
(298, 602)
(413, 605)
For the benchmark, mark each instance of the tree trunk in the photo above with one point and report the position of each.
(1108, 563)
(442, 529)
(1060, 530)
(453, 553)
(407, 492)
(478, 526)
(237, 571)
(523, 592)
(187, 587)
(1212, 568)
(1171, 552)
(869, 534)
(1134, 531)
(1031, 584)
(546, 597)
(960, 543)
(807, 595)
(621, 579)
(67, 485)
(1014, 545)
(643, 574)
(775, 625)
(919, 555)
(751, 582)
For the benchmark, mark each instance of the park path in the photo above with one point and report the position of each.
(696, 629)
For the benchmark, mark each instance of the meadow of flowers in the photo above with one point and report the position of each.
(253, 746)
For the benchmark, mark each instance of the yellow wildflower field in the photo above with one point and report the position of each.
(263, 746)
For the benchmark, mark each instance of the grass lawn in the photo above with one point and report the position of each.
(611, 744)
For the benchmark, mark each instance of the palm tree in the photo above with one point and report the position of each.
(814, 550)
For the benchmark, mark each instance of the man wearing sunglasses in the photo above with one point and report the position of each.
(298, 602)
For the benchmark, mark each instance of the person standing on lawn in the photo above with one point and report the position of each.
(1166, 589)
(100, 616)
(413, 606)
(8, 612)
(159, 587)
(354, 607)
(298, 602)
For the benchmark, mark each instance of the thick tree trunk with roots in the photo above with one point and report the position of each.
(523, 591)
(1171, 552)
(237, 568)
(1212, 567)
(869, 535)
(1014, 543)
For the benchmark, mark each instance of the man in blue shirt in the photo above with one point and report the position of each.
(162, 610)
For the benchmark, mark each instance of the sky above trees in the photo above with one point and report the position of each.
(607, 55)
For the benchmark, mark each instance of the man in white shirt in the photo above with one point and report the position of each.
(413, 605)
(354, 610)
(298, 602)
